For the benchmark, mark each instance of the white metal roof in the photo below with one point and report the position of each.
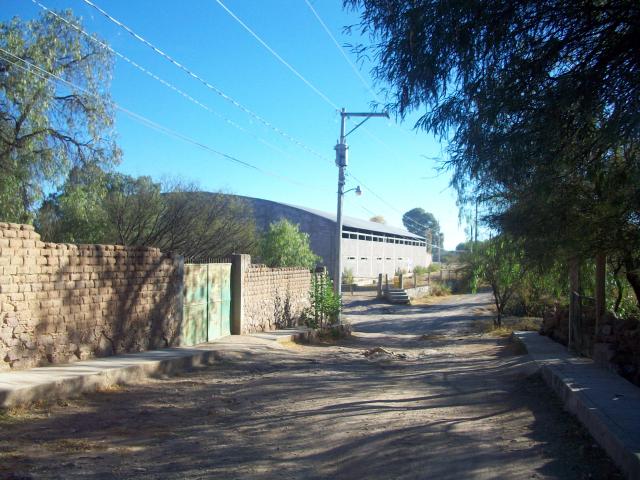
(357, 223)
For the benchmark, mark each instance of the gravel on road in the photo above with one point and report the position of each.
(415, 393)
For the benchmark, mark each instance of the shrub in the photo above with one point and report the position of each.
(420, 270)
(347, 276)
(439, 289)
(285, 245)
(325, 303)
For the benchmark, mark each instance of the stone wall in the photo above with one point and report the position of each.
(273, 297)
(63, 302)
(616, 346)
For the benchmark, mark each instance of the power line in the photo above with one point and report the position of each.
(355, 70)
(206, 83)
(235, 102)
(144, 120)
(409, 219)
(292, 69)
(277, 56)
(161, 80)
(169, 132)
(224, 95)
(341, 50)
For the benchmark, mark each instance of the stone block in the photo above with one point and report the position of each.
(11, 356)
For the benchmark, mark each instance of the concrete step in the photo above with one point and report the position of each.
(399, 301)
(397, 295)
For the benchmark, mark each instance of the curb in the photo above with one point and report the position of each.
(56, 382)
(287, 335)
(82, 377)
(588, 391)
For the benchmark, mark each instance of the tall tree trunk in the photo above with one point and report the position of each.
(600, 293)
(574, 334)
(632, 267)
(633, 276)
(619, 286)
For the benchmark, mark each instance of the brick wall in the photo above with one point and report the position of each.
(273, 295)
(63, 302)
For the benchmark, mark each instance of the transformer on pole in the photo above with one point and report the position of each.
(342, 150)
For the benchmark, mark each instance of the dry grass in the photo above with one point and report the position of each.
(291, 344)
(509, 325)
(30, 411)
(113, 388)
(429, 299)
(485, 310)
(71, 445)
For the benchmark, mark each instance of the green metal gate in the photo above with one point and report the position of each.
(207, 302)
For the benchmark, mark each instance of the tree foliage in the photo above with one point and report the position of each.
(77, 212)
(378, 219)
(418, 221)
(284, 245)
(47, 127)
(540, 103)
(464, 246)
(106, 207)
(500, 262)
(202, 224)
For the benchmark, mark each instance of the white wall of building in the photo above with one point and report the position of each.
(368, 255)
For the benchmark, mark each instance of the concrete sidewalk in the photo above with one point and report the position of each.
(65, 380)
(607, 404)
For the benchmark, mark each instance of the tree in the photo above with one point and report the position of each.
(107, 207)
(285, 246)
(178, 218)
(463, 246)
(378, 219)
(500, 262)
(204, 225)
(479, 62)
(418, 221)
(539, 101)
(135, 208)
(77, 212)
(47, 127)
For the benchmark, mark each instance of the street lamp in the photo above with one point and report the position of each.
(357, 190)
(341, 162)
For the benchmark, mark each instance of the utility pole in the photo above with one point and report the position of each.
(341, 162)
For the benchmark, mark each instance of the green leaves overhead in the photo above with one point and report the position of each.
(46, 126)
(539, 102)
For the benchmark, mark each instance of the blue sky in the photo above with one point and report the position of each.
(394, 162)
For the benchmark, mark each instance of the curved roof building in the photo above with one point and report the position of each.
(368, 248)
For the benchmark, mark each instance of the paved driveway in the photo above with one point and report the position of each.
(439, 402)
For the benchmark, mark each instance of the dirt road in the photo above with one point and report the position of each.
(442, 402)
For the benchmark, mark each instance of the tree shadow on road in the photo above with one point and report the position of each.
(299, 415)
